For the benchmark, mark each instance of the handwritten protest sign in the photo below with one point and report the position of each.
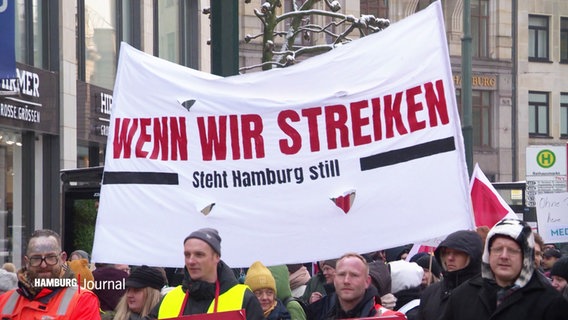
(552, 217)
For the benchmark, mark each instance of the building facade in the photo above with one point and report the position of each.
(67, 52)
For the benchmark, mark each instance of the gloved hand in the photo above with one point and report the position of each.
(388, 301)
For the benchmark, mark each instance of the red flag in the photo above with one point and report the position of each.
(488, 206)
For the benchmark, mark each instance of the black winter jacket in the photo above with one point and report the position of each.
(328, 307)
(434, 298)
(477, 300)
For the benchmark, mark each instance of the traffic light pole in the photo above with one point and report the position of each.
(467, 127)
(224, 37)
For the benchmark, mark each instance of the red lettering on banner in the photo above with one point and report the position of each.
(357, 122)
(312, 115)
(377, 120)
(391, 115)
(165, 136)
(413, 108)
(336, 124)
(246, 134)
(436, 104)
(295, 144)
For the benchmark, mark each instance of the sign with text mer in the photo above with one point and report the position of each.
(552, 217)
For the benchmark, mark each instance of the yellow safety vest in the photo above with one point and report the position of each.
(230, 300)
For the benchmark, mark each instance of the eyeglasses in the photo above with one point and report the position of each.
(510, 251)
(50, 260)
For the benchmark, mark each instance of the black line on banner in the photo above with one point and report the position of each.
(136, 177)
(406, 154)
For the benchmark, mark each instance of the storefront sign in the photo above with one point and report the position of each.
(478, 81)
(33, 106)
(93, 112)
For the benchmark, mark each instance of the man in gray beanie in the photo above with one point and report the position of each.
(509, 287)
(209, 285)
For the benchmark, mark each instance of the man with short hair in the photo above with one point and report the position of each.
(354, 296)
(209, 285)
(37, 297)
(508, 287)
(538, 252)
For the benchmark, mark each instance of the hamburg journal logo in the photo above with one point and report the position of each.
(80, 283)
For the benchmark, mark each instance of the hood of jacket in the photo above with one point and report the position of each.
(521, 233)
(282, 278)
(466, 241)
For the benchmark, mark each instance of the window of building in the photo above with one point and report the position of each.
(480, 27)
(29, 16)
(538, 114)
(176, 32)
(102, 25)
(480, 116)
(100, 43)
(564, 115)
(378, 8)
(538, 38)
(564, 40)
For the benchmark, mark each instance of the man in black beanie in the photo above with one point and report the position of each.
(209, 285)
(559, 275)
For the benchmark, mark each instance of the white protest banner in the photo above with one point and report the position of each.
(357, 149)
(552, 217)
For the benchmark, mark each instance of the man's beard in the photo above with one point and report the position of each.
(41, 273)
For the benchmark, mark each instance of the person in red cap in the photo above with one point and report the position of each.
(209, 285)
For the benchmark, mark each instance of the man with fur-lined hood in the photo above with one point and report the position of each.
(508, 287)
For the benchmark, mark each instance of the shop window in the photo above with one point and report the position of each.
(538, 38)
(538, 114)
(12, 221)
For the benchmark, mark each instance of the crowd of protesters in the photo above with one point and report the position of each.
(505, 272)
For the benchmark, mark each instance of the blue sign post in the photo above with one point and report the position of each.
(7, 40)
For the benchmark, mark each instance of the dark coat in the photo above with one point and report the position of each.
(434, 298)
(405, 296)
(279, 312)
(201, 294)
(328, 307)
(477, 300)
